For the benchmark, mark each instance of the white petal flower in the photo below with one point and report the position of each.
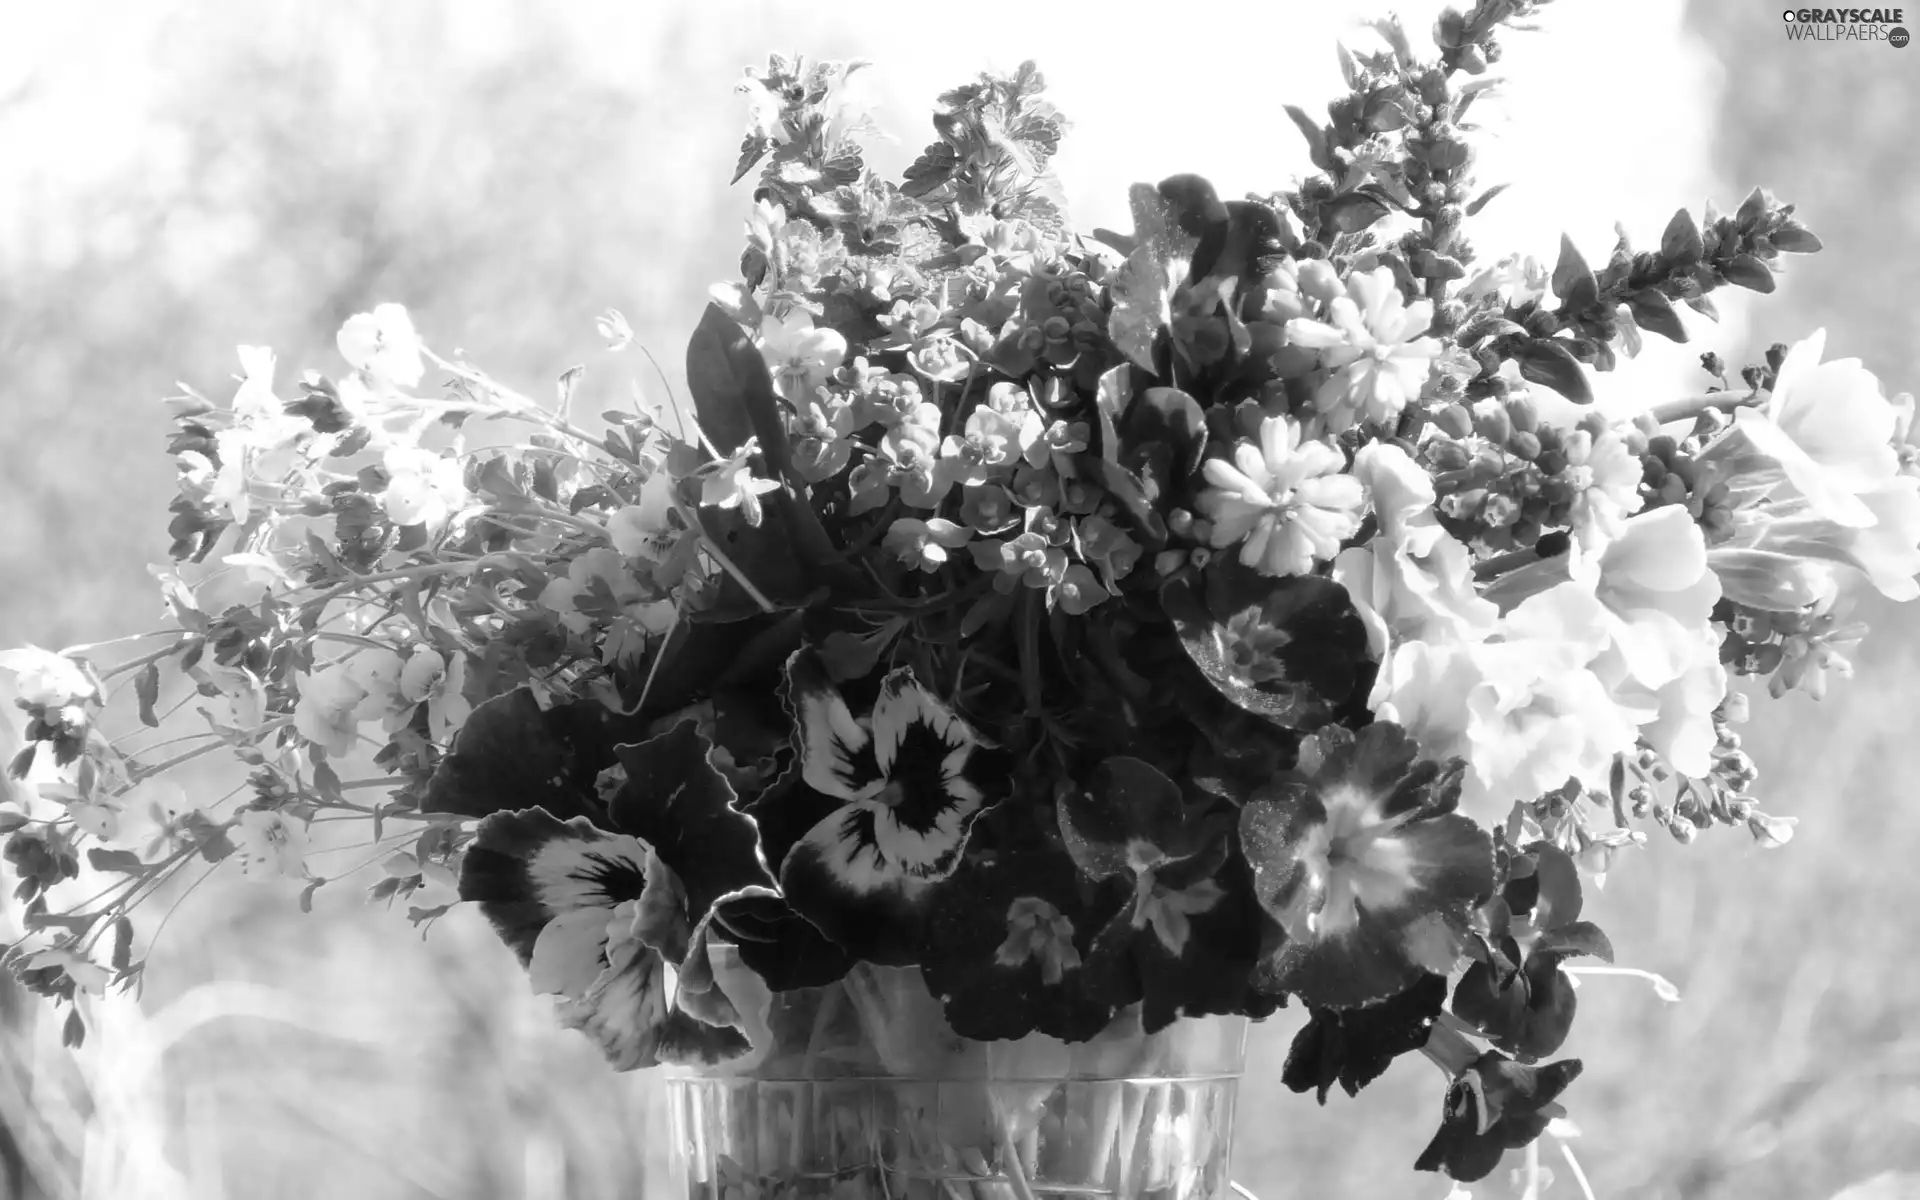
(384, 345)
(1285, 503)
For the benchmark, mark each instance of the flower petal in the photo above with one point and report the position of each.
(526, 868)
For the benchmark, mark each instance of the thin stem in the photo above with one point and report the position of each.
(143, 660)
(1579, 1176)
(1690, 407)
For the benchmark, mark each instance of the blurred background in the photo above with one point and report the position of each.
(179, 178)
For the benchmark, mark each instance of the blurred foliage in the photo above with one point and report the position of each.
(304, 162)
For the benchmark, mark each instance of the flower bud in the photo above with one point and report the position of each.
(1524, 412)
(1490, 421)
(1448, 456)
(1525, 444)
(1319, 280)
(1168, 561)
(1180, 523)
(1500, 510)
(1454, 420)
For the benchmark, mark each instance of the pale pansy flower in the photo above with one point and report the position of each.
(438, 682)
(1284, 502)
(423, 488)
(643, 530)
(270, 845)
(799, 355)
(1826, 428)
(47, 680)
(1656, 590)
(326, 712)
(1415, 580)
(1886, 552)
(383, 344)
(1373, 341)
(1525, 711)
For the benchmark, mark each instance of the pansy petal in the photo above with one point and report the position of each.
(677, 801)
(569, 953)
(512, 754)
(625, 1008)
(838, 878)
(525, 868)
(776, 943)
(836, 754)
(1310, 638)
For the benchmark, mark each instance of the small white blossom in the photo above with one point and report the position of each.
(1284, 502)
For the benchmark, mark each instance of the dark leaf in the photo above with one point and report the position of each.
(1354, 212)
(1576, 937)
(1749, 272)
(122, 954)
(146, 686)
(1794, 238)
(733, 392)
(1315, 135)
(124, 861)
(1548, 362)
(1653, 312)
(1680, 245)
(1484, 198)
(1573, 280)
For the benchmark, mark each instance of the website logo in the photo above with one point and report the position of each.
(1847, 25)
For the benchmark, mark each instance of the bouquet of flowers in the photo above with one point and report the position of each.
(1027, 644)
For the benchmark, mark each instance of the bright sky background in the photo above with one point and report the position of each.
(1151, 90)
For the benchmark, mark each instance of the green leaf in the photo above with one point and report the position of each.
(1576, 937)
(1547, 362)
(416, 914)
(1749, 272)
(74, 1033)
(1681, 243)
(146, 685)
(122, 945)
(124, 861)
(733, 394)
(1354, 212)
(1653, 312)
(1794, 238)
(1704, 306)
(327, 783)
(1484, 198)
(1315, 135)
(1573, 280)
(752, 148)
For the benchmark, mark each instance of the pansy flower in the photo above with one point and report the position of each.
(597, 914)
(1180, 938)
(881, 810)
(1292, 650)
(1010, 936)
(1494, 1106)
(1367, 872)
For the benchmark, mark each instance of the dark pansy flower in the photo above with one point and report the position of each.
(1008, 939)
(890, 799)
(597, 915)
(1178, 940)
(1286, 649)
(1369, 875)
(1494, 1106)
(513, 754)
(1515, 994)
(1353, 1047)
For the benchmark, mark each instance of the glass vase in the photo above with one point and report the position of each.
(866, 1093)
